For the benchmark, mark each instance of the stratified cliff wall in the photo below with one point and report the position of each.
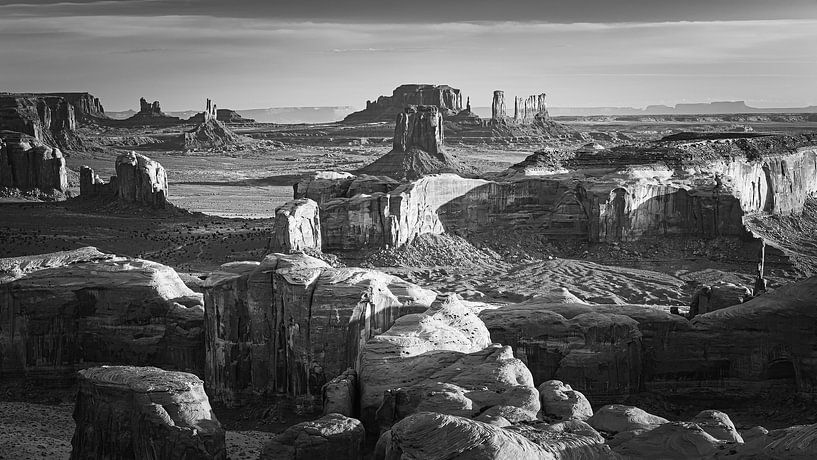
(700, 189)
(292, 323)
(49, 119)
(26, 164)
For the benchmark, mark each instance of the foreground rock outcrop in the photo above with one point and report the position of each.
(297, 227)
(144, 413)
(77, 309)
(332, 436)
(28, 164)
(442, 361)
(292, 323)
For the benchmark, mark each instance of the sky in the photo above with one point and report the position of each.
(271, 53)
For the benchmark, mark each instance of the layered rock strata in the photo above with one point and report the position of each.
(49, 119)
(144, 413)
(27, 164)
(297, 227)
(700, 189)
(74, 309)
(292, 323)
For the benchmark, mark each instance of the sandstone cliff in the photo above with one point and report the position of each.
(671, 188)
(83, 309)
(49, 119)
(292, 323)
(144, 413)
(297, 227)
(140, 180)
(26, 164)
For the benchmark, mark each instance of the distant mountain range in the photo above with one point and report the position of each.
(284, 115)
(703, 108)
(294, 115)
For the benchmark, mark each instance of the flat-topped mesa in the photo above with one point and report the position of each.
(49, 119)
(86, 106)
(419, 127)
(148, 108)
(28, 164)
(447, 99)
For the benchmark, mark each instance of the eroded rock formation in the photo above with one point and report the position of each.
(562, 402)
(297, 227)
(441, 361)
(144, 413)
(209, 135)
(72, 309)
(51, 120)
(700, 189)
(498, 106)
(26, 164)
(332, 436)
(292, 323)
(141, 180)
(417, 147)
(448, 101)
(150, 114)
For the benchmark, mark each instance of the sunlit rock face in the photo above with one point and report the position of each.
(141, 180)
(297, 227)
(145, 413)
(292, 323)
(680, 188)
(27, 163)
(78, 309)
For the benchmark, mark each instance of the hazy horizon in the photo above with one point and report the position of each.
(256, 54)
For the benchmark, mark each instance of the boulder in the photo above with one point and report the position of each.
(450, 382)
(572, 439)
(671, 441)
(340, 395)
(144, 413)
(73, 309)
(292, 323)
(141, 180)
(430, 435)
(618, 418)
(718, 425)
(297, 227)
(718, 296)
(560, 401)
(331, 437)
(26, 163)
